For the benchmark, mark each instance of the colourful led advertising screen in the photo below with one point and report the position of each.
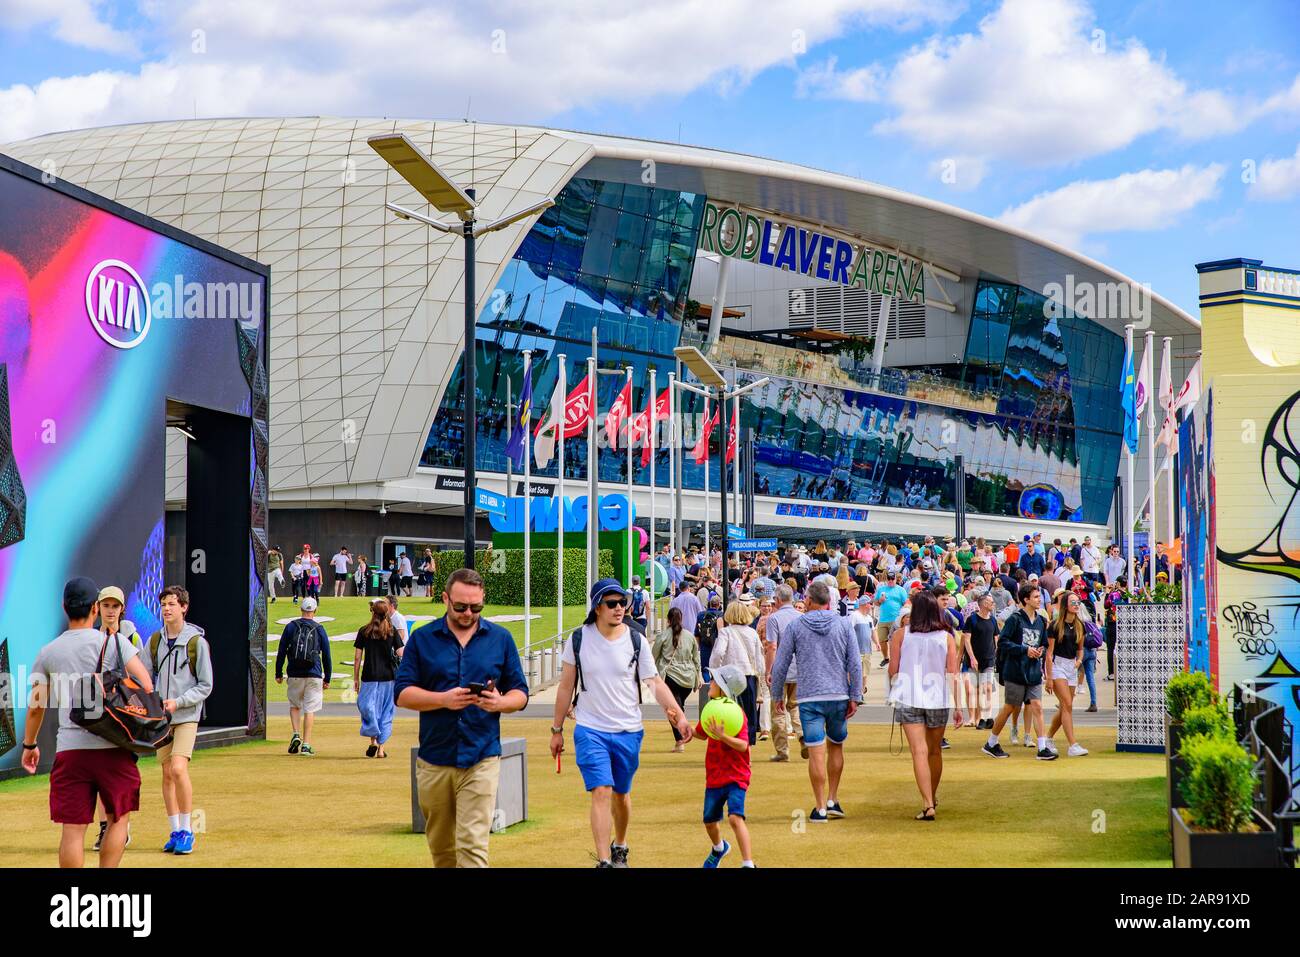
(109, 320)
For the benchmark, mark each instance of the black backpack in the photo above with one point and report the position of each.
(576, 639)
(118, 710)
(303, 646)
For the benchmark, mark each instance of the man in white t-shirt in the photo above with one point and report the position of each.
(340, 561)
(607, 716)
(1090, 560)
(397, 619)
(406, 573)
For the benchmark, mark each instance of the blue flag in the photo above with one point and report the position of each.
(1128, 398)
(519, 427)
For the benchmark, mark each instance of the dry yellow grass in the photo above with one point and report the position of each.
(263, 807)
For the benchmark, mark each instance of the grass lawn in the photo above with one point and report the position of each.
(1105, 810)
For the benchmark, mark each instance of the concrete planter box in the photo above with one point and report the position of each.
(1173, 735)
(1215, 849)
(512, 791)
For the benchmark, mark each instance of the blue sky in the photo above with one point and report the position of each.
(1150, 135)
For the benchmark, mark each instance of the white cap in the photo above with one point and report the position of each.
(308, 604)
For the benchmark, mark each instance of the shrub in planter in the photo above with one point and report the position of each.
(1188, 689)
(1209, 720)
(1218, 783)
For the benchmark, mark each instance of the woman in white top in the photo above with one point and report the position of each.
(922, 668)
(737, 644)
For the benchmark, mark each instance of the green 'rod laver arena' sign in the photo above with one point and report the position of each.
(740, 234)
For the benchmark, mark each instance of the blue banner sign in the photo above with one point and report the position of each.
(838, 512)
(751, 544)
(735, 531)
(490, 502)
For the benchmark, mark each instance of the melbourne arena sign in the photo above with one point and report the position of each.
(740, 234)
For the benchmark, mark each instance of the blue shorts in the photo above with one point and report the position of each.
(824, 720)
(732, 795)
(607, 758)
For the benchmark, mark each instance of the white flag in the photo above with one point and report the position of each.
(1144, 381)
(1166, 381)
(1190, 393)
(548, 435)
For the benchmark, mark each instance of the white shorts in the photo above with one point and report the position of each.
(306, 694)
(1063, 669)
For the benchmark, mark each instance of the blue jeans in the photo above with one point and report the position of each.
(1089, 671)
(824, 720)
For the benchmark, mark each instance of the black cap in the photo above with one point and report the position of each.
(80, 591)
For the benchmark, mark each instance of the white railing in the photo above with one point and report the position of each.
(541, 661)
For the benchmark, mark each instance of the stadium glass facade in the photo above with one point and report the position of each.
(619, 257)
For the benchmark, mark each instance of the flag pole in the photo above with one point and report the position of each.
(631, 549)
(526, 417)
(1128, 499)
(510, 417)
(562, 384)
(1149, 355)
(708, 548)
(672, 463)
(593, 467)
(1173, 443)
(653, 427)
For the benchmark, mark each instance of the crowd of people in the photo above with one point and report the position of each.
(400, 576)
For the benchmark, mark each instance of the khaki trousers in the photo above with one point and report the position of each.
(787, 724)
(458, 804)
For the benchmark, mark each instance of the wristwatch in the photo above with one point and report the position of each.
(555, 730)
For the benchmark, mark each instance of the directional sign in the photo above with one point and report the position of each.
(490, 502)
(751, 544)
(735, 531)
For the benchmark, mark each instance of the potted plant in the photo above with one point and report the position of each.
(1211, 720)
(1219, 826)
(1184, 691)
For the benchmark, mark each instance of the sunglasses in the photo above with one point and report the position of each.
(615, 602)
(460, 607)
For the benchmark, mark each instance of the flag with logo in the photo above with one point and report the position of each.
(1190, 393)
(618, 413)
(574, 412)
(1144, 381)
(1168, 432)
(731, 439)
(1128, 398)
(519, 428)
(649, 418)
(700, 453)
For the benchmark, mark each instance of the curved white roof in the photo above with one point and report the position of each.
(305, 195)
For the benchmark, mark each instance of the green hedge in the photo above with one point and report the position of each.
(503, 571)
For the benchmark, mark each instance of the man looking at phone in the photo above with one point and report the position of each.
(461, 673)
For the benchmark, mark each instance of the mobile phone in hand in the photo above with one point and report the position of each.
(476, 688)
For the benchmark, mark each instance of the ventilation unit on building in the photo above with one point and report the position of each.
(853, 311)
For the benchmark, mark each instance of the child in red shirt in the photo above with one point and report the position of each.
(726, 772)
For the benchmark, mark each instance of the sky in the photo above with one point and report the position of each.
(1150, 135)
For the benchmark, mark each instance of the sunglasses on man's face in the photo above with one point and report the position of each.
(615, 602)
(460, 607)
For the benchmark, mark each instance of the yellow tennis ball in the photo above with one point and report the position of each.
(726, 711)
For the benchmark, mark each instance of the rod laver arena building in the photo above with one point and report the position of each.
(898, 332)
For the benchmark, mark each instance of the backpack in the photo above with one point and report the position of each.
(191, 650)
(580, 686)
(303, 646)
(121, 712)
(638, 603)
(1092, 636)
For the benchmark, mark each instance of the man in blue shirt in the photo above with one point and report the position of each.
(461, 673)
(1032, 560)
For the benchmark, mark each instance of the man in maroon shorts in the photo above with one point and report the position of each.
(86, 766)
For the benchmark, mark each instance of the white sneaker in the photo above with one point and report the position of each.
(1015, 736)
(1077, 751)
(1030, 742)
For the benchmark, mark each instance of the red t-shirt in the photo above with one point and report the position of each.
(1012, 552)
(723, 764)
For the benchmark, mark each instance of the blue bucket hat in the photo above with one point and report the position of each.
(604, 587)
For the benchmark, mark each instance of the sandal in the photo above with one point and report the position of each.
(927, 814)
(370, 751)
(382, 754)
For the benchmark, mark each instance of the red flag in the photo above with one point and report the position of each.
(617, 413)
(731, 439)
(577, 412)
(658, 414)
(701, 450)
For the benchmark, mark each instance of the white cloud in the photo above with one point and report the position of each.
(518, 61)
(75, 21)
(1039, 84)
(1277, 179)
(825, 81)
(1146, 200)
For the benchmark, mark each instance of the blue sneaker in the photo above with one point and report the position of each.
(170, 846)
(184, 842)
(715, 857)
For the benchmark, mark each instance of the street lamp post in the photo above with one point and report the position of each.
(708, 374)
(445, 195)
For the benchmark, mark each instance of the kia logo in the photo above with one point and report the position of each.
(117, 304)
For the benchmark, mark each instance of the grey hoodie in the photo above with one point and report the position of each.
(829, 666)
(172, 677)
